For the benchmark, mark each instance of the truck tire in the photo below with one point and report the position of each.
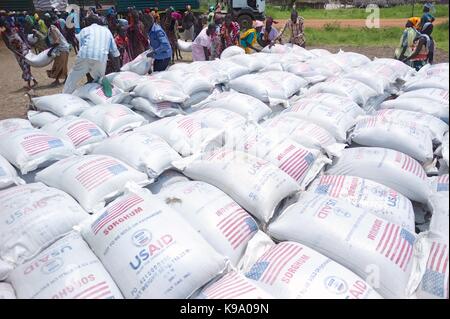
(245, 21)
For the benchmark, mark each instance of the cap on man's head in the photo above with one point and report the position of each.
(258, 24)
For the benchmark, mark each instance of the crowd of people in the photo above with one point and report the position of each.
(416, 46)
(105, 42)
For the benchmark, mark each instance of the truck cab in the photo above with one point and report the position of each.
(245, 11)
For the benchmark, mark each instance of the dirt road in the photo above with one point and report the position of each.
(14, 101)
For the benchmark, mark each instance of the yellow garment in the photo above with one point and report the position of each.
(245, 39)
(43, 28)
(415, 21)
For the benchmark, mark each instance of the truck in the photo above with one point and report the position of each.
(245, 11)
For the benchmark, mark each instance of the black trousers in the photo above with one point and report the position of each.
(161, 65)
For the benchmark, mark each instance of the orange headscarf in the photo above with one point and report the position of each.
(415, 21)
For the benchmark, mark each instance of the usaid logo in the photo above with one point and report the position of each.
(335, 285)
(141, 237)
(52, 266)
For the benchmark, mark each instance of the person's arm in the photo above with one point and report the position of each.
(113, 47)
(417, 50)
(206, 52)
(164, 44)
(280, 35)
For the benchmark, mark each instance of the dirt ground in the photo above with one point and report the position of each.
(14, 100)
(356, 23)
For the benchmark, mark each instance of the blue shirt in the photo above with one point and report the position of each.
(159, 43)
(96, 42)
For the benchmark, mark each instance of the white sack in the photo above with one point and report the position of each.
(140, 65)
(8, 175)
(336, 122)
(184, 45)
(94, 93)
(161, 109)
(113, 118)
(291, 270)
(61, 104)
(233, 285)
(388, 167)
(184, 134)
(405, 137)
(420, 105)
(68, 269)
(39, 60)
(149, 250)
(231, 51)
(32, 217)
(352, 237)
(160, 90)
(125, 80)
(7, 291)
(13, 124)
(371, 196)
(39, 119)
(437, 127)
(30, 148)
(143, 151)
(248, 106)
(91, 179)
(225, 225)
(82, 133)
(305, 133)
(255, 184)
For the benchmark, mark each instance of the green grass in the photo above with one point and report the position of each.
(333, 34)
(402, 11)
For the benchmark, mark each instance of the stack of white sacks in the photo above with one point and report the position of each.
(289, 173)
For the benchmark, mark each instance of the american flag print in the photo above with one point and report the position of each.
(99, 290)
(435, 280)
(331, 185)
(412, 166)
(396, 244)
(237, 227)
(318, 133)
(271, 263)
(38, 143)
(297, 164)
(115, 210)
(442, 183)
(82, 131)
(230, 286)
(189, 126)
(97, 172)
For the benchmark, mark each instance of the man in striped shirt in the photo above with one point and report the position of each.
(96, 42)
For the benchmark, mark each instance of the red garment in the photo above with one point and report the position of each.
(229, 35)
(123, 45)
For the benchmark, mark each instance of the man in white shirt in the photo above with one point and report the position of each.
(96, 42)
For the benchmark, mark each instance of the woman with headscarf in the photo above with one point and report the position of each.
(407, 40)
(70, 31)
(136, 34)
(123, 45)
(248, 39)
(176, 18)
(60, 50)
(19, 47)
(423, 48)
(229, 32)
(268, 33)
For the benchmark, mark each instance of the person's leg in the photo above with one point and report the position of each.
(97, 69)
(79, 70)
